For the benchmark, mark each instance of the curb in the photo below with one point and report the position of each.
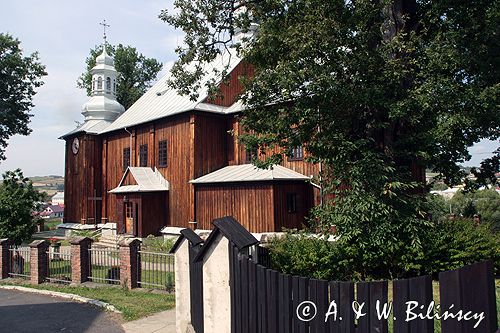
(73, 297)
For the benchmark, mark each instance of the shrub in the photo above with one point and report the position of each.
(157, 244)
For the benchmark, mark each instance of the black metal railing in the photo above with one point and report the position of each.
(19, 262)
(59, 265)
(156, 270)
(104, 265)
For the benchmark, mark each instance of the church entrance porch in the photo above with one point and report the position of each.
(142, 207)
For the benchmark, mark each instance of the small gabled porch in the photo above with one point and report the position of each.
(142, 196)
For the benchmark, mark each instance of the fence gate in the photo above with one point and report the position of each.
(196, 287)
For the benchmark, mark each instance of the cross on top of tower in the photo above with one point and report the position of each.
(104, 26)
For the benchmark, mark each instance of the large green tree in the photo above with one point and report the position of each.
(18, 201)
(373, 90)
(137, 72)
(19, 76)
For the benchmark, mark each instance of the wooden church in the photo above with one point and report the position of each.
(171, 161)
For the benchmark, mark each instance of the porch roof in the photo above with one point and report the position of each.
(249, 173)
(147, 180)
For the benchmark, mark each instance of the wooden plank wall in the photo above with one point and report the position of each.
(82, 176)
(284, 219)
(154, 213)
(176, 131)
(250, 204)
(231, 89)
(210, 143)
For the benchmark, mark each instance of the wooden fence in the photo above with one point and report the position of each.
(264, 300)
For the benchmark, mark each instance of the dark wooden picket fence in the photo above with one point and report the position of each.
(196, 285)
(264, 300)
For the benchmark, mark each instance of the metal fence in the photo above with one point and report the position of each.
(104, 265)
(19, 262)
(156, 271)
(59, 265)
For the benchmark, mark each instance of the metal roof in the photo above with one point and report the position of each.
(90, 126)
(249, 173)
(161, 100)
(147, 181)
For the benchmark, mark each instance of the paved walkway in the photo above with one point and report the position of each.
(27, 312)
(163, 322)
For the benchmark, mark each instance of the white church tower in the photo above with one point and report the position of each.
(102, 104)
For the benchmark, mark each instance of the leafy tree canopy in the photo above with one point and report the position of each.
(18, 200)
(373, 90)
(136, 72)
(19, 76)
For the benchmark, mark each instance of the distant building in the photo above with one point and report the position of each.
(52, 211)
(58, 198)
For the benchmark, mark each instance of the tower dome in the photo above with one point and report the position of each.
(102, 104)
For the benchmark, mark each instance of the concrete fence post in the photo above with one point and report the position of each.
(39, 261)
(80, 259)
(5, 245)
(130, 267)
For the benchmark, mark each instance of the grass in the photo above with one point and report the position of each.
(134, 304)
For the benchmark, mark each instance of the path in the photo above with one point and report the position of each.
(28, 312)
(161, 322)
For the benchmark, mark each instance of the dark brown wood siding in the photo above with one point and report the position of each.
(176, 131)
(305, 199)
(154, 213)
(210, 143)
(230, 90)
(82, 177)
(250, 203)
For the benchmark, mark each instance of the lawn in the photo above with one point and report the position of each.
(134, 304)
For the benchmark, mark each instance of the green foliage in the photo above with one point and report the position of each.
(18, 201)
(445, 245)
(19, 76)
(157, 244)
(484, 202)
(136, 72)
(452, 244)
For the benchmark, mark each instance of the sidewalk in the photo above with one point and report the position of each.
(163, 322)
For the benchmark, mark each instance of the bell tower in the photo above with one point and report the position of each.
(102, 104)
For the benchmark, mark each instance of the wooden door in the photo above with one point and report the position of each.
(129, 218)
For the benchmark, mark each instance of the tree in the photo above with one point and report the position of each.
(18, 201)
(137, 72)
(373, 90)
(19, 76)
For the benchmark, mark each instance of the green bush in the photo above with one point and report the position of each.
(452, 244)
(303, 255)
(157, 244)
(445, 245)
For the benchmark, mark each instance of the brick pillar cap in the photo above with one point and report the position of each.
(80, 240)
(39, 243)
(129, 242)
(4, 241)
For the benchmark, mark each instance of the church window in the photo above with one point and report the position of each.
(108, 84)
(162, 153)
(296, 154)
(99, 83)
(143, 155)
(126, 158)
(93, 84)
(114, 85)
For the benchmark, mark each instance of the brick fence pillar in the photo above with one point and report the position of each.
(130, 266)
(5, 245)
(80, 259)
(39, 261)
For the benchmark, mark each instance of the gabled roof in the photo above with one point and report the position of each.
(232, 230)
(161, 100)
(90, 126)
(147, 181)
(249, 173)
(188, 234)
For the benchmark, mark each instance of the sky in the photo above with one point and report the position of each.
(63, 32)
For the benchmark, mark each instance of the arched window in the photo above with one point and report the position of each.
(114, 85)
(108, 83)
(99, 83)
